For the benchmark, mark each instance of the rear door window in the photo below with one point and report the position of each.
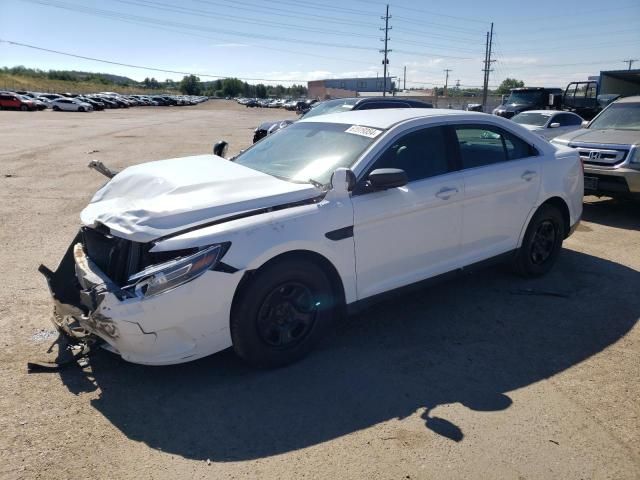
(482, 145)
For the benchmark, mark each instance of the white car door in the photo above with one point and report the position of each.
(501, 182)
(406, 234)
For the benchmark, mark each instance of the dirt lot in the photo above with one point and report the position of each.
(473, 378)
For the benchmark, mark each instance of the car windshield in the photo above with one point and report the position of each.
(308, 152)
(530, 118)
(619, 116)
(526, 97)
(331, 106)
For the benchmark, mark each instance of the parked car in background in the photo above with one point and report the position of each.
(97, 105)
(39, 104)
(529, 98)
(324, 217)
(70, 105)
(14, 101)
(548, 123)
(340, 105)
(609, 147)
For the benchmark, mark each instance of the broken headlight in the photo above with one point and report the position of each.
(162, 277)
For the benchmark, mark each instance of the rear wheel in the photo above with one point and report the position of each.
(542, 243)
(81, 109)
(281, 313)
(56, 108)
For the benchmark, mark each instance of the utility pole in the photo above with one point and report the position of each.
(630, 62)
(446, 81)
(405, 77)
(386, 50)
(487, 67)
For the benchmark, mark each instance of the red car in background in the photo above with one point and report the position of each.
(16, 102)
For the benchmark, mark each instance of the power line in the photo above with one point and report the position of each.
(630, 62)
(130, 17)
(111, 62)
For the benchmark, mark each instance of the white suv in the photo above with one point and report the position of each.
(181, 258)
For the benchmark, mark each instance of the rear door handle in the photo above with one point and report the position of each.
(446, 193)
(529, 175)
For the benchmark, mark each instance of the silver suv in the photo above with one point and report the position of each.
(609, 147)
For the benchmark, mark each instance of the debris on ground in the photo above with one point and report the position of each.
(43, 335)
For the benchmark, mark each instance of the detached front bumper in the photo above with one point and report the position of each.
(180, 325)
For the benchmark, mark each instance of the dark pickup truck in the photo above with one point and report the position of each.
(529, 98)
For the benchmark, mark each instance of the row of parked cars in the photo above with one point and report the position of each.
(31, 101)
(609, 145)
(300, 105)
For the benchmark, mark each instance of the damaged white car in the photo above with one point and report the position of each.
(181, 258)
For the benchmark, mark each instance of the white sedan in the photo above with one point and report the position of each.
(178, 259)
(70, 105)
(549, 123)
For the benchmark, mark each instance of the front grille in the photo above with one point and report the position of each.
(600, 157)
(119, 258)
(116, 257)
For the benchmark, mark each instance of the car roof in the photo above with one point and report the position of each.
(633, 99)
(548, 112)
(388, 117)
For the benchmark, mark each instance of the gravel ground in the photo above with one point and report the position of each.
(487, 376)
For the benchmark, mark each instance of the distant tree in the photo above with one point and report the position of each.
(232, 87)
(261, 90)
(190, 85)
(507, 84)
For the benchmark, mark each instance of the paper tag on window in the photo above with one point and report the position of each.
(363, 131)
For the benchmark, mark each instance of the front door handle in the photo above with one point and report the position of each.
(529, 175)
(446, 193)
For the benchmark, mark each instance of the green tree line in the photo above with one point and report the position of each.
(233, 87)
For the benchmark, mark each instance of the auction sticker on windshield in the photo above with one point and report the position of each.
(363, 131)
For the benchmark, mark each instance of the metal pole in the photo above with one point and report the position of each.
(386, 50)
(405, 77)
(446, 81)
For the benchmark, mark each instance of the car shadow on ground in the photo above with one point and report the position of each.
(612, 212)
(471, 340)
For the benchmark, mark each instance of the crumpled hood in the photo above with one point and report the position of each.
(151, 200)
(590, 135)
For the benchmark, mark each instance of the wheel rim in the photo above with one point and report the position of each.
(544, 242)
(287, 315)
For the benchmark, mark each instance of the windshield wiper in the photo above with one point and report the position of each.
(315, 183)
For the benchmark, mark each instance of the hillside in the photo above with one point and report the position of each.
(21, 78)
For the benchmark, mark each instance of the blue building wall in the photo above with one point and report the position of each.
(371, 84)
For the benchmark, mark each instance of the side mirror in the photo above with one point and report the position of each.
(584, 124)
(554, 125)
(385, 178)
(220, 148)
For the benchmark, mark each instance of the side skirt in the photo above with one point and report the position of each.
(360, 305)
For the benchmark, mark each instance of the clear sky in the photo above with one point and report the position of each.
(543, 42)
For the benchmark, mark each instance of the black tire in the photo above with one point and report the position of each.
(81, 109)
(55, 108)
(281, 313)
(23, 108)
(542, 243)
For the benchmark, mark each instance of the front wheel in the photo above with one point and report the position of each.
(24, 108)
(56, 108)
(81, 109)
(541, 244)
(281, 313)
